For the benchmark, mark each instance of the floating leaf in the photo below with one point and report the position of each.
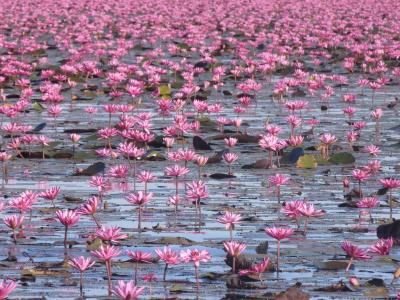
(154, 156)
(94, 244)
(177, 288)
(321, 160)
(382, 191)
(89, 94)
(81, 155)
(39, 127)
(332, 265)
(44, 272)
(259, 164)
(221, 176)
(204, 120)
(342, 158)
(172, 240)
(164, 91)
(200, 144)
(37, 106)
(93, 169)
(177, 84)
(380, 292)
(295, 154)
(307, 162)
(92, 137)
(38, 53)
(217, 157)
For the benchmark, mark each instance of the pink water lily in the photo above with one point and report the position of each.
(354, 252)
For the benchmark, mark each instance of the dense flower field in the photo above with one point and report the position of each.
(208, 149)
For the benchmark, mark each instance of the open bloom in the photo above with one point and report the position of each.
(360, 175)
(354, 252)
(231, 141)
(257, 269)
(81, 263)
(176, 171)
(230, 219)
(279, 233)
(372, 149)
(368, 202)
(327, 138)
(139, 198)
(390, 183)
(67, 217)
(127, 290)
(6, 288)
(196, 256)
(51, 193)
(292, 209)
(146, 176)
(382, 246)
(106, 252)
(196, 190)
(234, 248)
(278, 180)
(14, 221)
(139, 256)
(230, 157)
(169, 256)
(90, 207)
(110, 234)
(308, 210)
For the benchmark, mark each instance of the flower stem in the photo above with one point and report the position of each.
(349, 265)
(65, 237)
(165, 272)
(108, 268)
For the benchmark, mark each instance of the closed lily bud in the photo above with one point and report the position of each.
(354, 282)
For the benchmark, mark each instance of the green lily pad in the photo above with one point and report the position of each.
(38, 53)
(37, 106)
(89, 94)
(154, 156)
(92, 137)
(164, 91)
(177, 84)
(177, 288)
(321, 160)
(342, 158)
(81, 155)
(94, 244)
(307, 162)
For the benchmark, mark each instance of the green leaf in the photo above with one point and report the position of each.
(89, 93)
(38, 53)
(307, 162)
(94, 245)
(154, 156)
(177, 288)
(44, 272)
(164, 90)
(37, 106)
(342, 158)
(321, 160)
(177, 84)
(92, 137)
